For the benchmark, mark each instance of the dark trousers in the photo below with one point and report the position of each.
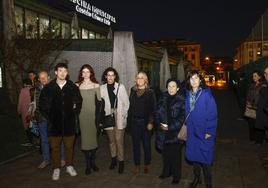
(252, 130)
(29, 135)
(140, 133)
(171, 156)
(260, 135)
(206, 171)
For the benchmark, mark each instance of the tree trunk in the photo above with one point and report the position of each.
(9, 31)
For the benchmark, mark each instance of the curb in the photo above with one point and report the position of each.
(17, 157)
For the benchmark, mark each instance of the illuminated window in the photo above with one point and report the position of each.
(19, 14)
(55, 28)
(91, 35)
(98, 36)
(84, 33)
(103, 37)
(31, 24)
(66, 30)
(43, 26)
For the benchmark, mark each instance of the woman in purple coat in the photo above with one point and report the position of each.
(201, 128)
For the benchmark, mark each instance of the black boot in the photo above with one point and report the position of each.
(195, 182)
(121, 167)
(113, 163)
(92, 161)
(88, 165)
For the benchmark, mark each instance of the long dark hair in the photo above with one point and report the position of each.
(192, 73)
(92, 74)
(109, 69)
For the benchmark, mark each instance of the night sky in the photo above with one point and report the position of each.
(219, 25)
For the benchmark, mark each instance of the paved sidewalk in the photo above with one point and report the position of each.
(237, 163)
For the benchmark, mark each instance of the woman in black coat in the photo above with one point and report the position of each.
(170, 115)
(140, 120)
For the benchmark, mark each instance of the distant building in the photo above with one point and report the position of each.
(189, 50)
(250, 51)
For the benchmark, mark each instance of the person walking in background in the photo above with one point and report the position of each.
(117, 102)
(170, 115)
(22, 109)
(255, 135)
(262, 109)
(140, 120)
(241, 89)
(59, 101)
(32, 77)
(201, 109)
(90, 91)
(42, 122)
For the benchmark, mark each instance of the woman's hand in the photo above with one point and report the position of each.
(164, 126)
(207, 136)
(150, 126)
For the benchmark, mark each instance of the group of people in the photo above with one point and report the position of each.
(60, 102)
(253, 103)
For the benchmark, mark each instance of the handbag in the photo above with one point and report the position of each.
(182, 135)
(250, 112)
(109, 120)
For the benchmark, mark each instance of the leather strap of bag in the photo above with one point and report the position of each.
(192, 108)
(116, 95)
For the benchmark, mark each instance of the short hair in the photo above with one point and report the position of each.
(43, 71)
(27, 81)
(145, 79)
(173, 80)
(109, 69)
(31, 71)
(61, 65)
(192, 73)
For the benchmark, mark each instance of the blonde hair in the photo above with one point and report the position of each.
(146, 81)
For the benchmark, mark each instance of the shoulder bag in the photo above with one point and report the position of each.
(183, 131)
(109, 120)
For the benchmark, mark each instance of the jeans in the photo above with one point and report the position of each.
(140, 133)
(43, 126)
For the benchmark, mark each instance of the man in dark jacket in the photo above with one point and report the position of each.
(59, 102)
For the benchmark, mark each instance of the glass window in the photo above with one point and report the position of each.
(55, 28)
(98, 36)
(31, 24)
(103, 37)
(66, 30)
(75, 33)
(19, 14)
(193, 56)
(84, 33)
(91, 35)
(44, 26)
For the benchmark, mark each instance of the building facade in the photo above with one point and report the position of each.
(57, 19)
(189, 51)
(250, 51)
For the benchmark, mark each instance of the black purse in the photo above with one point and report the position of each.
(109, 120)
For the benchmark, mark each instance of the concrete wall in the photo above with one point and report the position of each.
(98, 60)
